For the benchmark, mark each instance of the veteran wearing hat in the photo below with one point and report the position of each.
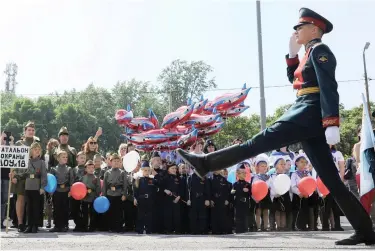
(72, 152)
(312, 120)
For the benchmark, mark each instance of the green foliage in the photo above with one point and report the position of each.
(185, 80)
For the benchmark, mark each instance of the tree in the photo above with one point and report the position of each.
(183, 81)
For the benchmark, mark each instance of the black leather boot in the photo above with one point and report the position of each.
(358, 238)
(217, 160)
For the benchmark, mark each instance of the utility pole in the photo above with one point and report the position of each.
(261, 77)
(10, 82)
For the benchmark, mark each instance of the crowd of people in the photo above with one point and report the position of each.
(164, 196)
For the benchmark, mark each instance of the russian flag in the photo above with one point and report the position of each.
(367, 152)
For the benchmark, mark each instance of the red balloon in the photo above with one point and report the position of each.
(307, 186)
(259, 190)
(78, 191)
(322, 188)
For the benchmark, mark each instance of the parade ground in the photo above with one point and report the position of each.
(44, 240)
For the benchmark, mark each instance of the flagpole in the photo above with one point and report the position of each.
(367, 45)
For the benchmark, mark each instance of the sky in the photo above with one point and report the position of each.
(61, 45)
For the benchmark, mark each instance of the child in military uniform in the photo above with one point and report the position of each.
(64, 176)
(241, 192)
(93, 190)
(263, 206)
(144, 196)
(183, 172)
(220, 194)
(36, 180)
(78, 173)
(174, 190)
(114, 188)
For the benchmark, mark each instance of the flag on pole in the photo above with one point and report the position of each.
(367, 145)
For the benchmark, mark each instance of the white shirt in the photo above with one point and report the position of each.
(337, 157)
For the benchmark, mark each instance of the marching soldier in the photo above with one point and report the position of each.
(313, 120)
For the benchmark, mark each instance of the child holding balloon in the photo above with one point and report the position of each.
(65, 178)
(78, 173)
(300, 200)
(36, 180)
(93, 190)
(263, 205)
(279, 190)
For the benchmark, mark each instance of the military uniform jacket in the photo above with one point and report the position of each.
(173, 183)
(220, 189)
(72, 153)
(130, 181)
(114, 183)
(146, 189)
(93, 187)
(78, 173)
(316, 71)
(240, 196)
(36, 175)
(64, 176)
(199, 188)
(184, 181)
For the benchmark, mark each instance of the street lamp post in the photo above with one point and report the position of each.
(261, 77)
(367, 45)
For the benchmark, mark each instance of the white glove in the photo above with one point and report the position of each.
(333, 135)
(226, 203)
(188, 202)
(294, 47)
(233, 191)
(167, 192)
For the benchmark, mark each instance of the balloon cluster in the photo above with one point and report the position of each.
(184, 126)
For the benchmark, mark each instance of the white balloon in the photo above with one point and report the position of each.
(282, 184)
(130, 161)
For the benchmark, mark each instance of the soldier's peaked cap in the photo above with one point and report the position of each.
(63, 131)
(307, 16)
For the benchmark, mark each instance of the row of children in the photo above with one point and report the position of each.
(171, 201)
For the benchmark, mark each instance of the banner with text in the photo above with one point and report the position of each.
(14, 156)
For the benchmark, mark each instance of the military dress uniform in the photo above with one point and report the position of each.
(220, 195)
(241, 205)
(315, 109)
(184, 207)
(158, 226)
(128, 209)
(65, 178)
(200, 192)
(144, 193)
(76, 205)
(172, 210)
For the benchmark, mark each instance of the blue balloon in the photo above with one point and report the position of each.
(101, 204)
(51, 183)
(232, 176)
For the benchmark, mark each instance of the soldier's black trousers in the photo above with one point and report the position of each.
(33, 207)
(76, 212)
(89, 216)
(172, 217)
(283, 133)
(115, 213)
(60, 209)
